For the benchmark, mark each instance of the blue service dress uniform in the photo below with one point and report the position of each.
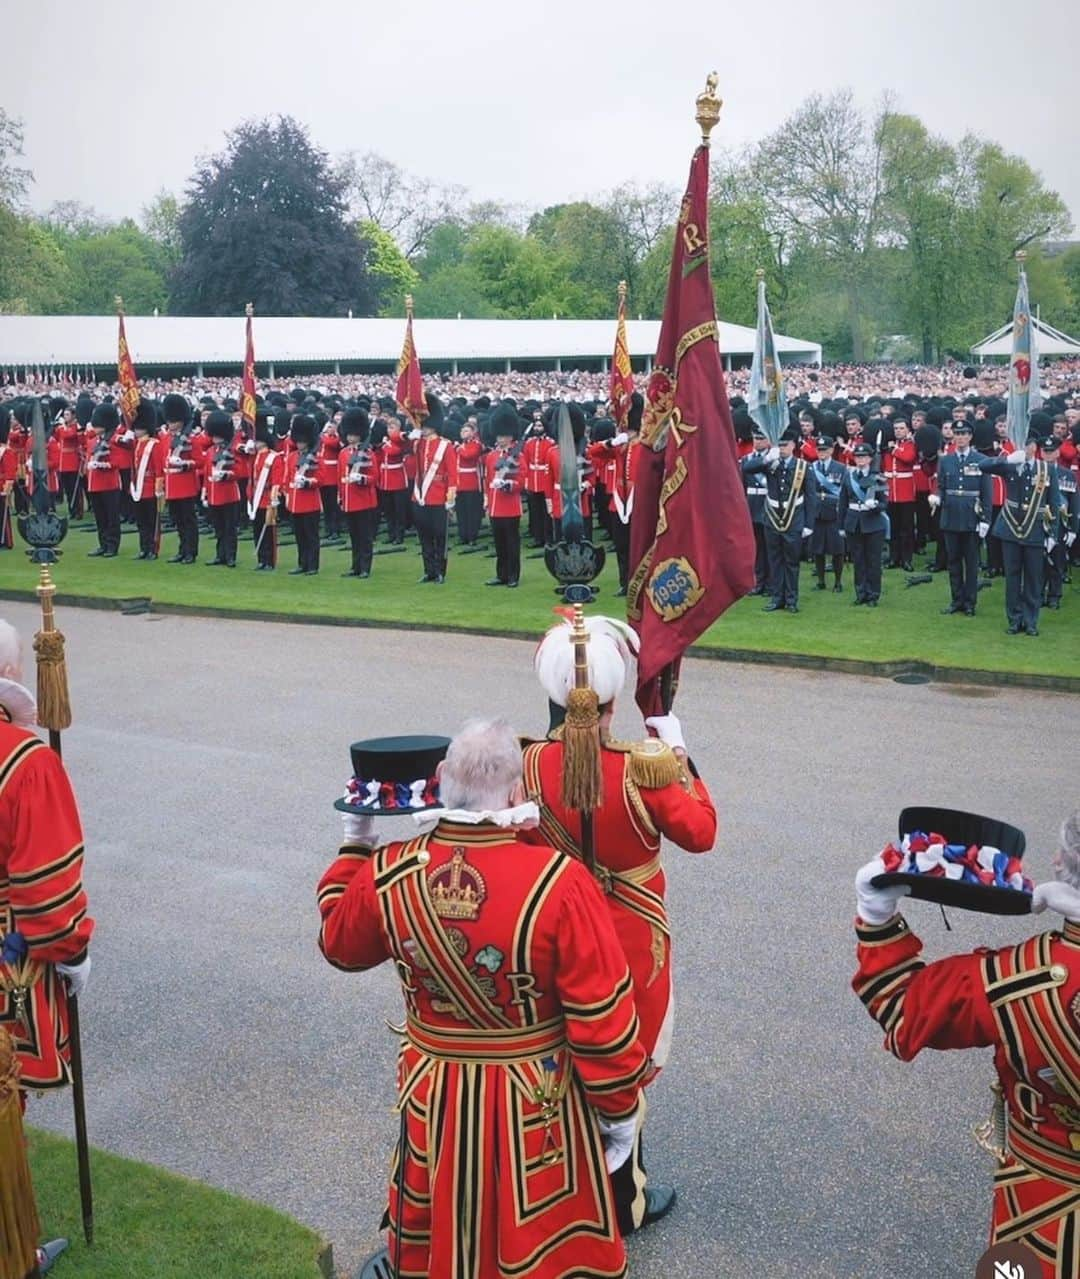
(1068, 525)
(862, 506)
(1027, 520)
(756, 493)
(828, 536)
(966, 493)
(790, 507)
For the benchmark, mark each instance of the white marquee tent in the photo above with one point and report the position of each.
(193, 342)
(1048, 340)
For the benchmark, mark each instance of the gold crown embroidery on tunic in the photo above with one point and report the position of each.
(457, 889)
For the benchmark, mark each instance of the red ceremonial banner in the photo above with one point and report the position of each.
(691, 540)
(410, 386)
(247, 391)
(128, 378)
(621, 385)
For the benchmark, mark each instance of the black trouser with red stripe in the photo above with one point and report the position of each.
(306, 528)
(361, 526)
(331, 510)
(506, 531)
(265, 538)
(430, 523)
(226, 522)
(106, 508)
(470, 512)
(902, 541)
(182, 510)
(146, 523)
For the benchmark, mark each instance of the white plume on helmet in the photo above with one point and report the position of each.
(612, 645)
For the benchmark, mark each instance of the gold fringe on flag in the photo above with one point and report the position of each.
(19, 1225)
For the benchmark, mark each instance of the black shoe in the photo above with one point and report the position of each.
(758, 590)
(908, 567)
(426, 578)
(857, 602)
(511, 585)
(969, 611)
(214, 563)
(659, 1201)
(176, 559)
(1055, 604)
(838, 589)
(351, 573)
(1033, 630)
(1014, 628)
(819, 585)
(872, 603)
(296, 572)
(311, 572)
(620, 592)
(364, 573)
(109, 555)
(98, 550)
(495, 581)
(188, 559)
(230, 563)
(439, 579)
(773, 606)
(953, 608)
(793, 608)
(141, 555)
(151, 555)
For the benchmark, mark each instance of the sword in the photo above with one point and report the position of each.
(43, 531)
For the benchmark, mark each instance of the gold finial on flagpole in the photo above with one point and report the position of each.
(119, 304)
(408, 306)
(759, 274)
(622, 290)
(249, 310)
(708, 107)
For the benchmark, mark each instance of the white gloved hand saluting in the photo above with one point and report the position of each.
(359, 829)
(1061, 898)
(668, 729)
(773, 454)
(621, 438)
(618, 1138)
(876, 905)
(77, 976)
(1017, 457)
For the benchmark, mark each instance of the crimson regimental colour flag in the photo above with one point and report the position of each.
(621, 383)
(130, 395)
(410, 385)
(691, 540)
(247, 389)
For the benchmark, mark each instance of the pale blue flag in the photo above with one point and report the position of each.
(1024, 395)
(767, 398)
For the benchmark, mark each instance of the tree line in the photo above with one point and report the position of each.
(877, 238)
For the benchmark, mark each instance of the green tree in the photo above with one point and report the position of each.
(34, 276)
(119, 260)
(584, 243)
(1069, 267)
(161, 222)
(14, 178)
(265, 222)
(392, 275)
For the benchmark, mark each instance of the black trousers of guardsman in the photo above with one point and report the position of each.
(1023, 583)
(186, 519)
(430, 524)
(361, 526)
(470, 513)
(506, 531)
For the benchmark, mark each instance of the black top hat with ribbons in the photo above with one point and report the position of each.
(393, 776)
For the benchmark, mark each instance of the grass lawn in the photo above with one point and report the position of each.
(150, 1224)
(906, 626)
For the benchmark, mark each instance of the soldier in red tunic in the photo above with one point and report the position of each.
(470, 497)
(1023, 1002)
(502, 494)
(302, 494)
(535, 478)
(182, 468)
(650, 791)
(898, 459)
(9, 470)
(267, 476)
(108, 455)
(221, 492)
(329, 448)
(147, 483)
(391, 448)
(520, 1068)
(359, 497)
(434, 489)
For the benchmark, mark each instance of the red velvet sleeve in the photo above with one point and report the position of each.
(351, 936)
(48, 901)
(687, 818)
(594, 988)
(918, 1005)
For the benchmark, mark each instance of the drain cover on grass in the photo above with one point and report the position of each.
(911, 679)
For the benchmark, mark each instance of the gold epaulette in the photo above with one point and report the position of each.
(651, 763)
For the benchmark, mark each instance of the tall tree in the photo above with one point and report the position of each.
(584, 243)
(392, 275)
(265, 222)
(14, 178)
(34, 275)
(403, 205)
(120, 259)
(161, 222)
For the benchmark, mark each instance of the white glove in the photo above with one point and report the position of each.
(983, 528)
(1061, 898)
(842, 532)
(621, 438)
(876, 905)
(77, 976)
(1050, 544)
(773, 454)
(1017, 457)
(808, 532)
(358, 828)
(1069, 539)
(871, 504)
(617, 1136)
(414, 435)
(934, 500)
(668, 729)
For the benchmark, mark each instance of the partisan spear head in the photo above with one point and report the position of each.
(573, 561)
(41, 529)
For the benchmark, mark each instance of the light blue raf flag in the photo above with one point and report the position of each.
(767, 399)
(1024, 395)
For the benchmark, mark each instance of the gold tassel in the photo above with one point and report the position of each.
(19, 1225)
(653, 765)
(582, 776)
(53, 702)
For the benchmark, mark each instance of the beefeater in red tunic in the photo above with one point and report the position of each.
(520, 1067)
(44, 925)
(649, 792)
(1023, 1001)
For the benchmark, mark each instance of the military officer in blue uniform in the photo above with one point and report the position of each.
(790, 511)
(828, 536)
(861, 509)
(1025, 527)
(964, 498)
(1067, 524)
(756, 493)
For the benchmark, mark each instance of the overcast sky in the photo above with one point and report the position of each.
(530, 104)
